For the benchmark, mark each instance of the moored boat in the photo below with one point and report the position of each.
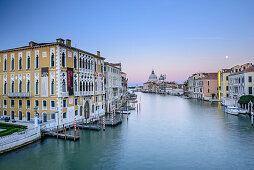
(232, 110)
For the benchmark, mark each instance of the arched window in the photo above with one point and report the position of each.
(86, 86)
(75, 86)
(52, 60)
(64, 86)
(20, 86)
(12, 87)
(52, 86)
(20, 63)
(5, 64)
(28, 62)
(89, 86)
(37, 61)
(86, 64)
(12, 63)
(5, 87)
(63, 60)
(75, 61)
(28, 86)
(92, 87)
(89, 64)
(80, 62)
(37, 87)
(80, 86)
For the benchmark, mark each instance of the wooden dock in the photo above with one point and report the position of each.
(90, 127)
(114, 123)
(60, 135)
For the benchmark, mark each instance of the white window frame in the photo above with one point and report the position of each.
(5, 106)
(44, 107)
(52, 108)
(12, 57)
(37, 52)
(26, 104)
(38, 104)
(19, 105)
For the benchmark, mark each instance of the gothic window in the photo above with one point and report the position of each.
(52, 86)
(28, 62)
(37, 87)
(5, 64)
(20, 63)
(20, 86)
(37, 61)
(75, 86)
(12, 86)
(63, 59)
(92, 87)
(75, 61)
(95, 67)
(89, 87)
(80, 62)
(52, 60)
(5, 87)
(64, 86)
(28, 86)
(89, 64)
(12, 63)
(84, 86)
(86, 63)
(80, 86)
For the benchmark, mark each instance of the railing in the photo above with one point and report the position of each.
(77, 93)
(65, 94)
(19, 94)
(18, 137)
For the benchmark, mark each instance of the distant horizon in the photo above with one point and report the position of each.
(176, 38)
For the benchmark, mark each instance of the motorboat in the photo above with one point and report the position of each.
(232, 110)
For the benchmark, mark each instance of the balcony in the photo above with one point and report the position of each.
(65, 94)
(77, 93)
(19, 94)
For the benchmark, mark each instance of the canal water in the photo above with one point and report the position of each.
(169, 133)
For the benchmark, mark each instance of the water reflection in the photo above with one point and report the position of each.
(167, 132)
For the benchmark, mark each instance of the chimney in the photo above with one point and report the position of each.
(60, 40)
(31, 43)
(98, 53)
(68, 42)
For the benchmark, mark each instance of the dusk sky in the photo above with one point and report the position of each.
(173, 37)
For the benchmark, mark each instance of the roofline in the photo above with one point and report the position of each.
(49, 44)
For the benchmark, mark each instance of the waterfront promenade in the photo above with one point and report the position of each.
(168, 133)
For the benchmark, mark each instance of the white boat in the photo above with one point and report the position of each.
(232, 110)
(125, 112)
(243, 111)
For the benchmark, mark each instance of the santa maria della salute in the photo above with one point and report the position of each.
(154, 85)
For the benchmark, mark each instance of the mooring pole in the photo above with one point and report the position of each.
(78, 131)
(63, 128)
(74, 135)
(104, 123)
(57, 132)
(127, 113)
(65, 134)
(69, 129)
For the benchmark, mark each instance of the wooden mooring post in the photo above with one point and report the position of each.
(57, 132)
(65, 133)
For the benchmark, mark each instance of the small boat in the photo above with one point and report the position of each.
(232, 110)
(125, 112)
(243, 111)
(131, 108)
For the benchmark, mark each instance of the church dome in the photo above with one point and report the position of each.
(161, 77)
(152, 77)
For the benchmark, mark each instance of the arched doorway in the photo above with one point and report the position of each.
(86, 110)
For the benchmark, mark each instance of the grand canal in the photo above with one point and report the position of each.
(168, 133)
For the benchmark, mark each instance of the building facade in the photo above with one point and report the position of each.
(58, 79)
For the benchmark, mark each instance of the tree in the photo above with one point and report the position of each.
(246, 99)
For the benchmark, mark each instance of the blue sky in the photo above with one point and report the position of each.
(174, 37)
